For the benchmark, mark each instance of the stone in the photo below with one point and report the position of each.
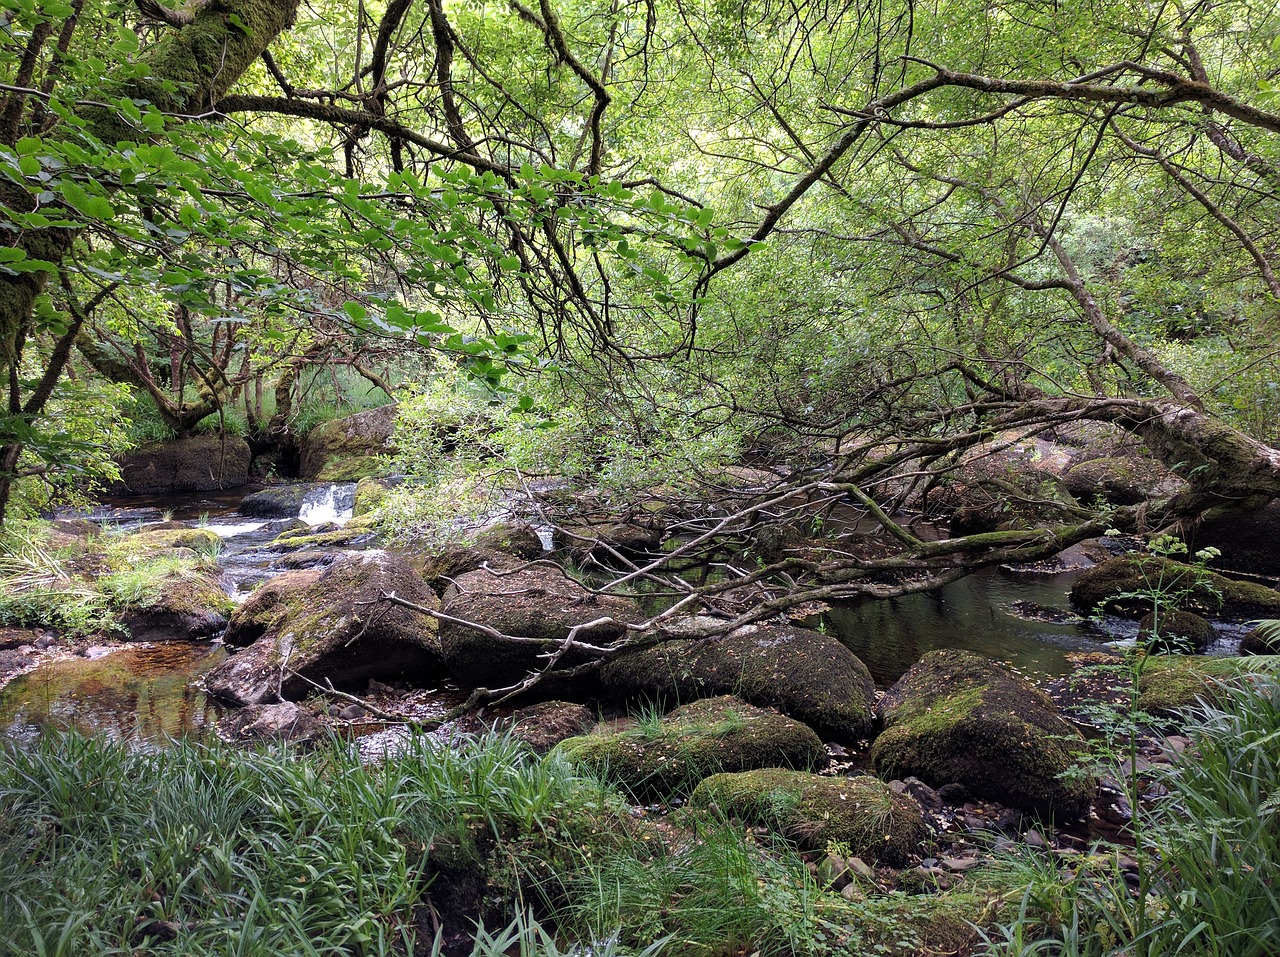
(536, 602)
(279, 501)
(544, 725)
(1111, 585)
(814, 811)
(658, 759)
(1176, 631)
(803, 673)
(329, 624)
(519, 539)
(196, 464)
(184, 606)
(284, 721)
(1121, 480)
(956, 716)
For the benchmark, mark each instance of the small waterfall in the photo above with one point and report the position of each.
(332, 504)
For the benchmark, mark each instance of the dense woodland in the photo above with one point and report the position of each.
(791, 276)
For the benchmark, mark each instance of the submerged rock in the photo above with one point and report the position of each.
(659, 758)
(803, 673)
(330, 625)
(958, 717)
(860, 812)
(197, 464)
(538, 602)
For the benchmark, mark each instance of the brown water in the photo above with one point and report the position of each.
(138, 695)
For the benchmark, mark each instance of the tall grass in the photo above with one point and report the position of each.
(1210, 870)
(194, 851)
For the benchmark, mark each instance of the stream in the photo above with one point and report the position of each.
(147, 693)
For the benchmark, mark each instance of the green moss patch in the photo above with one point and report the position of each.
(861, 812)
(670, 756)
(1120, 585)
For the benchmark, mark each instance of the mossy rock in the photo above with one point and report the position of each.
(656, 760)
(1172, 683)
(356, 533)
(330, 625)
(803, 673)
(860, 812)
(183, 605)
(937, 925)
(1175, 631)
(1257, 641)
(350, 448)
(197, 464)
(1102, 586)
(1121, 480)
(958, 717)
(514, 538)
(544, 725)
(371, 491)
(440, 570)
(538, 601)
(150, 542)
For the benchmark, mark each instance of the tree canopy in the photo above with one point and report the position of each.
(861, 239)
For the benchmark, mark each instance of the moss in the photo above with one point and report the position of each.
(1172, 683)
(957, 717)
(352, 468)
(940, 925)
(370, 493)
(861, 812)
(703, 738)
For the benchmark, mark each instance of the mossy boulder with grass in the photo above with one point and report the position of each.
(1122, 585)
(330, 625)
(860, 812)
(534, 602)
(656, 759)
(197, 464)
(1172, 683)
(157, 540)
(513, 537)
(958, 717)
(178, 604)
(803, 673)
(356, 533)
(350, 448)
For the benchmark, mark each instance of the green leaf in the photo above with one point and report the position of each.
(355, 310)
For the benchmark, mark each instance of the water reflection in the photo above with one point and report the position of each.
(978, 613)
(139, 696)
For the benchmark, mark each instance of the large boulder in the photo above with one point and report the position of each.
(1121, 480)
(184, 604)
(533, 602)
(1012, 482)
(957, 717)
(350, 448)
(1125, 585)
(261, 723)
(860, 812)
(330, 625)
(803, 673)
(197, 464)
(658, 758)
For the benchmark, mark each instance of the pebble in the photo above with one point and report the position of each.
(1035, 839)
(351, 712)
